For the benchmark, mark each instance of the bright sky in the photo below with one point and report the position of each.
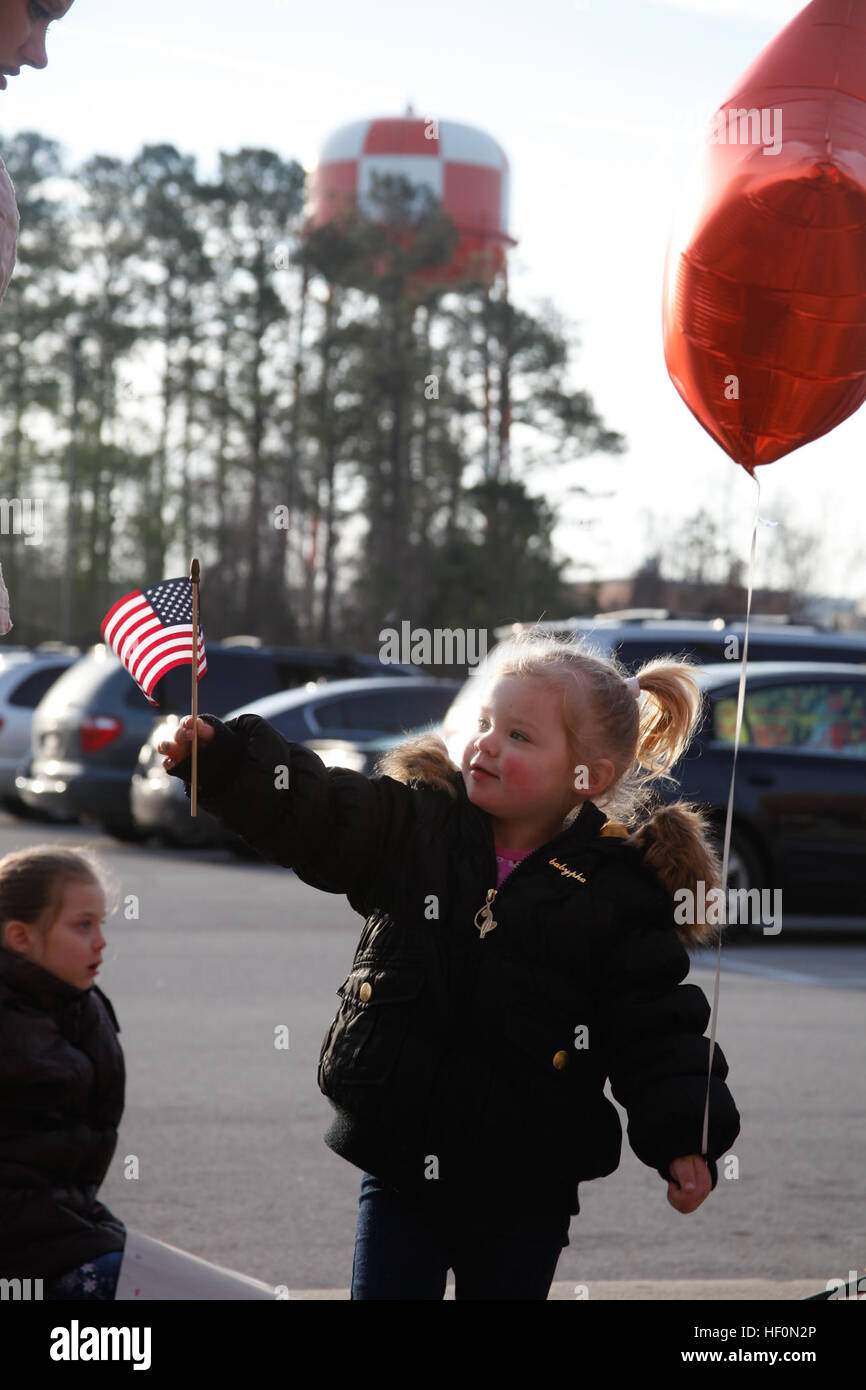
(600, 106)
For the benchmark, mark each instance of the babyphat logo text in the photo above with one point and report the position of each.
(569, 873)
(76, 1343)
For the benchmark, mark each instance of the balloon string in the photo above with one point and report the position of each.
(741, 697)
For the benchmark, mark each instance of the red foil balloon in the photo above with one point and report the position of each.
(765, 280)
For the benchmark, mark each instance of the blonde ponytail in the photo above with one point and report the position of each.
(670, 712)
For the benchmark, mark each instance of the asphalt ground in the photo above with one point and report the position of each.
(227, 1129)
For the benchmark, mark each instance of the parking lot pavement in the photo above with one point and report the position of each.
(818, 957)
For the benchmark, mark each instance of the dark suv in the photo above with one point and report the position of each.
(639, 639)
(88, 730)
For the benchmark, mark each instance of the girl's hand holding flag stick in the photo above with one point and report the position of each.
(178, 748)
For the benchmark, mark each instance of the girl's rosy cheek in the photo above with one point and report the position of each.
(511, 767)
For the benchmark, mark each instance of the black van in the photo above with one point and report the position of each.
(637, 640)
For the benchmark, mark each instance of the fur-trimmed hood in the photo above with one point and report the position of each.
(673, 840)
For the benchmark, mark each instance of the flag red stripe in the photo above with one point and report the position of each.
(115, 620)
(128, 644)
(160, 671)
(152, 643)
(136, 593)
(157, 666)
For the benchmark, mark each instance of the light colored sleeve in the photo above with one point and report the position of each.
(9, 224)
(6, 623)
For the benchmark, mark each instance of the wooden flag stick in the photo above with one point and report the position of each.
(193, 798)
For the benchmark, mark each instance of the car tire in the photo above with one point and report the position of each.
(745, 871)
(743, 866)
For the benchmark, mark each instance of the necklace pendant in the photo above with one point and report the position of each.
(488, 921)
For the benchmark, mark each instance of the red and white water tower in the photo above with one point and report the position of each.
(464, 168)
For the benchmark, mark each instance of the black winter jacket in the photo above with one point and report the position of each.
(61, 1099)
(479, 1064)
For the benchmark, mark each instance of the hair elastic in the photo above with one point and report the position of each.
(633, 684)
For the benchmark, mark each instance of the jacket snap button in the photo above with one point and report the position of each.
(560, 1060)
(365, 991)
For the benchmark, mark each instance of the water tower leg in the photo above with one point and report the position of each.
(505, 393)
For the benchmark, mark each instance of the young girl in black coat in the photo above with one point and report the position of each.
(520, 948)
(61, 1078)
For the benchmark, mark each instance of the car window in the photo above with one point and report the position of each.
(232, 679)
(78, 683)
(292, 673)
(31, 690)
(634, 652)
(384, 710)
(803, 650)
(237, 678)
(821, 716)
(635, 648)
(416, 707)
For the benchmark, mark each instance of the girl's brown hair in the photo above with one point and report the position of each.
(33, 883)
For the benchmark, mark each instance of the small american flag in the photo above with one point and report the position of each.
(151, 631)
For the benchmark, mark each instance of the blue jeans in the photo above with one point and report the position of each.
(405, 1246)
(96, 1279)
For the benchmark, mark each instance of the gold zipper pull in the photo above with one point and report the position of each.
(488, 921)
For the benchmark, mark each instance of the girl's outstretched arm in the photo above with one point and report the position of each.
(339, 830)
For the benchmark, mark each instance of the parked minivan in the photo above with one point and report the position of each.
(25, 676)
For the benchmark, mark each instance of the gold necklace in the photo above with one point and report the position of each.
(488, 921)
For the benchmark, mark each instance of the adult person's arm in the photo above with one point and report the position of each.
(23, 29)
